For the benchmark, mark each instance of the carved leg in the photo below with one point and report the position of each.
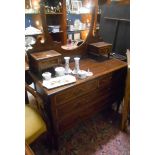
(118, 105)
(26, 98)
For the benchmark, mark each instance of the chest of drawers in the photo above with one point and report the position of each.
(70, 104)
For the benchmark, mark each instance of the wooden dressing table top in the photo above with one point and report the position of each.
(98, 69)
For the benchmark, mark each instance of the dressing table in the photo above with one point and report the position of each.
(68, 105)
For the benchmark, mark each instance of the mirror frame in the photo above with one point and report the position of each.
(49, 44)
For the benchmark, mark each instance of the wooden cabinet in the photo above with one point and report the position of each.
(38, 13)
(34, 25)
(42, 61)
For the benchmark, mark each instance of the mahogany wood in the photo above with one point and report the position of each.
(70, 104)
(41, 61)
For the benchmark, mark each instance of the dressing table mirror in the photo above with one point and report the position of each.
(63, 25)
(62, 104)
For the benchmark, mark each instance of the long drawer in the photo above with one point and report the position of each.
(84, 110)
(75, 92)
(82, 101)
(75, 105)
(112, 80)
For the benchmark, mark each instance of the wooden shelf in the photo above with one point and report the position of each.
(50, 13)
(74, 31)
(56, 32)
(72, 13)
(32, 13)
(33, 34)
(117, 19)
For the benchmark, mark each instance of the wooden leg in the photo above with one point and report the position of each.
(26, 98)
(56, 142)
(126, 105)
(118, 105)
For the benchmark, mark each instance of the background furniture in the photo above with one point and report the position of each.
(115, 24)
(34, 123)
(28, 150)
(41, 17)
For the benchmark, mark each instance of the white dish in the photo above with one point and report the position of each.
(58, 81)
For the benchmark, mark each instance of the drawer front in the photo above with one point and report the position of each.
(75, 105)
(105, 81)
(75, 92)
(67, 109)
(105, 49)
(48, 63)
(113, 80)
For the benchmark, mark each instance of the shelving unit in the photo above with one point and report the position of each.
(51, 18)
(33, 19)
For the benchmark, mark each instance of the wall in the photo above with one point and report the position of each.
(108, 27)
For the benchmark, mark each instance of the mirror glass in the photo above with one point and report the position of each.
(78, 19)
(33, 22)
(65, 21)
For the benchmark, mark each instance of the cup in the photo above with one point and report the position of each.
(46, 75)
(60, 71)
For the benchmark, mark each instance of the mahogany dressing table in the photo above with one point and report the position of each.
(68, 105)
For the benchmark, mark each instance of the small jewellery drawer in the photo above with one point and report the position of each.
(74, 92)
(105, 50)
(47, 64)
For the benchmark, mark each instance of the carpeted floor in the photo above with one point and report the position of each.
(100, 135)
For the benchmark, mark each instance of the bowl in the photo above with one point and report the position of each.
(82, 74)
(60, 71)
(46, 75)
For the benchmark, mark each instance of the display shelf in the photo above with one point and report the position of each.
(56, 32)
(73, 13)
(76, 31)
(33, 13)
(33, 34)
(45, 17)
(50, 13)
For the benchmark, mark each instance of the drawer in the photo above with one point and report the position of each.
(47, 64)
(105, 81)
(75, 92)
(75, 105)
(112, 80)
(105, 49)
(67, 109)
